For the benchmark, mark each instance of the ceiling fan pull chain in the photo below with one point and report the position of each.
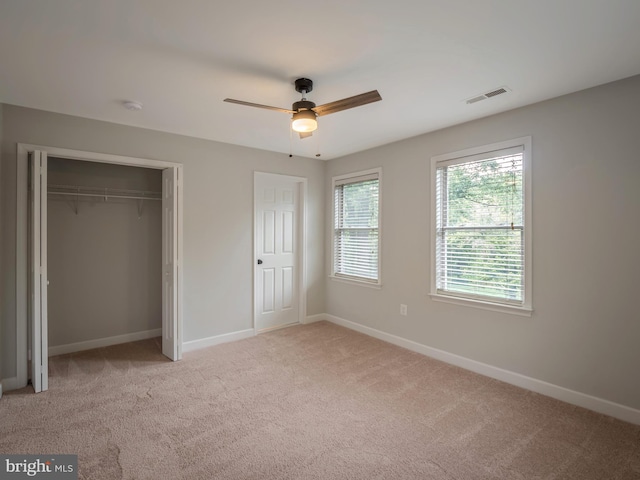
(318, 145)
(290, 139)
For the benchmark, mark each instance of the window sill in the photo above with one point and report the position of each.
(495, 307)
(353, 281)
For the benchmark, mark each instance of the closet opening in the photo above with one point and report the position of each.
(104, 245)
(99, 255)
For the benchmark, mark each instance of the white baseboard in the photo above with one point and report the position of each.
(104, 342)
(315, 318)
(590, 402)
(216, 340)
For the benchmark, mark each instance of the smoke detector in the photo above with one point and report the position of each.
(133, 106)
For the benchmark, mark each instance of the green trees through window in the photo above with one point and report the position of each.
(480, 228)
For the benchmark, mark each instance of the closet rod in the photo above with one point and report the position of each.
(103, 195)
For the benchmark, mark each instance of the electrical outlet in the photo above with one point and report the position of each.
(403, 309)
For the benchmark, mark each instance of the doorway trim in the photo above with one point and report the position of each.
(22, 179)
(302, 244)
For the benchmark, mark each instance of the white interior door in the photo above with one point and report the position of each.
(37, 283)
(171, 344)
(277, 272)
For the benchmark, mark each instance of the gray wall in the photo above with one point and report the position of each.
(585, 329)
(218, 214)
(105, 261)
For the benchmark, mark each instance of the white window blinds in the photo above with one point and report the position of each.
(356, 225)
(480, 227)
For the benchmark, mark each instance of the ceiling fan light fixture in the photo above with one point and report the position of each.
(304, 121)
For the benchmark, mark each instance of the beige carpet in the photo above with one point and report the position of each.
(307, 402)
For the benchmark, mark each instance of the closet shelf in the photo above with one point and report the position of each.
(104, 193)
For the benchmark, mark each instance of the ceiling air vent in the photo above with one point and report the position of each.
(484, 96)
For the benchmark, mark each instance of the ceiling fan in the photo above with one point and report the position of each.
(304, 112)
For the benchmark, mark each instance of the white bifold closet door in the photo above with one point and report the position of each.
(171, 347)
(37, 288)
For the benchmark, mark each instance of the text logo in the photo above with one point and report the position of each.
(51, 467)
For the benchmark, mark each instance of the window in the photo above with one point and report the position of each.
(356, 236)
(481, 226)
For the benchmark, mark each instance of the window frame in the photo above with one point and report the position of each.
(526, 308)
(340, 277)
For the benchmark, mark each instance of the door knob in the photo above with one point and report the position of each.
(259, 262)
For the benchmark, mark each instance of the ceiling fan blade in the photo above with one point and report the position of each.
(346, 103)
(305, 134)
(249, 104)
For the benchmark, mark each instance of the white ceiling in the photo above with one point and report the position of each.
(181, 58)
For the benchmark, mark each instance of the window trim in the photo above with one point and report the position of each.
(462, 156)
(341, 180)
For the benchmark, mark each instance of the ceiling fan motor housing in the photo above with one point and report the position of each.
(302, 105)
